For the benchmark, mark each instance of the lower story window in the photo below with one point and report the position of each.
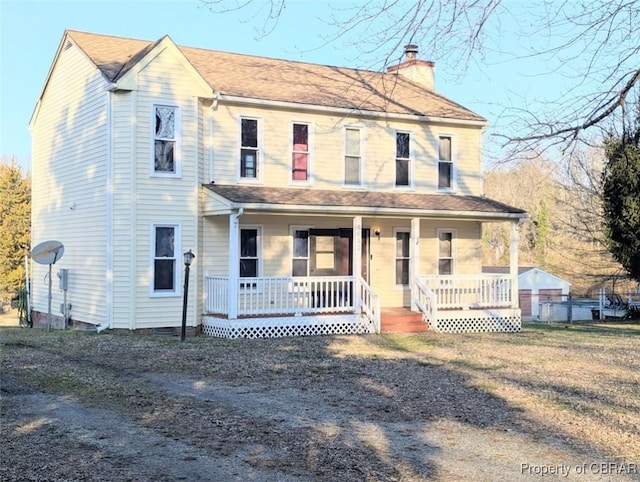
(249, 254)
(445, 252)
(300, 259)
(165, 262)
(402, 258)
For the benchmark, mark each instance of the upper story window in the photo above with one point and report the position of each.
(445, 252)
(165, 246)
(166, 151)
(445, 163)
(300, 155)
(403, 159)
(249, 149)
(352, 157)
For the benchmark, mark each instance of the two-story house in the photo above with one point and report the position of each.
(314, 197)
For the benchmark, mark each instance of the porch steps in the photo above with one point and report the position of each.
(402, 320)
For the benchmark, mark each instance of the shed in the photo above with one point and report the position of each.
(535, 286)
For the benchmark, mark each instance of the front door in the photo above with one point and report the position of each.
(346, 248)
(331, 252)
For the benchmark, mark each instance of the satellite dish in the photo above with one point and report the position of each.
(47, 252)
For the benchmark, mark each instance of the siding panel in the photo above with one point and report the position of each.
(69, 169)
(327, 151)
(165, 200)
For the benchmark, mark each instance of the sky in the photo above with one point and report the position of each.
(30, 33)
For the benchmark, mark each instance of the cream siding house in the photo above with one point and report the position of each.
(314, 197)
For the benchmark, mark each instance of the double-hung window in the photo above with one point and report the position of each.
(445, 252)
(402, 257)
(300, 152)
(249, 149)
(165, 246)
(403, 159)
(166, 149)
(352, 157)
(445, 163)
(300, 255)
(249, 254)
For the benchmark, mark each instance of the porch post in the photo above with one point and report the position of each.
(234, 265)
(357, 261)
(414, 256)
(513, 266)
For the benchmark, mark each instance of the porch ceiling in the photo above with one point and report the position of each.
(224, 198)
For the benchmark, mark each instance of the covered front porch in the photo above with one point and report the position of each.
(303, 267)
(294, 306)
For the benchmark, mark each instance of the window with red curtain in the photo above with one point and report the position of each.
(300, 164)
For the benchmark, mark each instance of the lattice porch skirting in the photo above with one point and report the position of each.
(277, 327)
(478, 321)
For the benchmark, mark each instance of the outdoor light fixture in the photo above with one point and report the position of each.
(376, 231)
(188, 258)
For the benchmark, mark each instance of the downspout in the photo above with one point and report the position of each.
(27, 273)
(212, 109)
(108, 218)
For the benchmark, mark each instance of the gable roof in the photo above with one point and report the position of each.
(410, 204)
(253, 77)
(524, 270)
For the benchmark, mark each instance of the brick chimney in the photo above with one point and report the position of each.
(420, 71)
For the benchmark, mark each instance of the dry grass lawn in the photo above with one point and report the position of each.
(81, 406)
(9, 318)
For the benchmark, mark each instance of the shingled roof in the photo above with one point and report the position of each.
(263, 78)
(411, 203)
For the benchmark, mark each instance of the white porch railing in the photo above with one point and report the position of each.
(277, 296)
(471, 291)
(216, 297)
(370, 303)
(427, 303)
(281, 295)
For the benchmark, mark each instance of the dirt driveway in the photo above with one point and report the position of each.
(551, 401)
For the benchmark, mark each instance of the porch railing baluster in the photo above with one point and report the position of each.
(470, 291)
(281, 295)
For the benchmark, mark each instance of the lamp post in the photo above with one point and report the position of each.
(188, 258)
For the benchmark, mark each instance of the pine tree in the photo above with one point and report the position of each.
(15, 225)
(621, 196)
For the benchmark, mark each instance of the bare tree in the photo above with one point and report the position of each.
(564, 232)
(593, 43)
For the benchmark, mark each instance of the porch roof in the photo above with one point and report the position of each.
(223, 199)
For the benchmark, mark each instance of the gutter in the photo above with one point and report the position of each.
(395, 212)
